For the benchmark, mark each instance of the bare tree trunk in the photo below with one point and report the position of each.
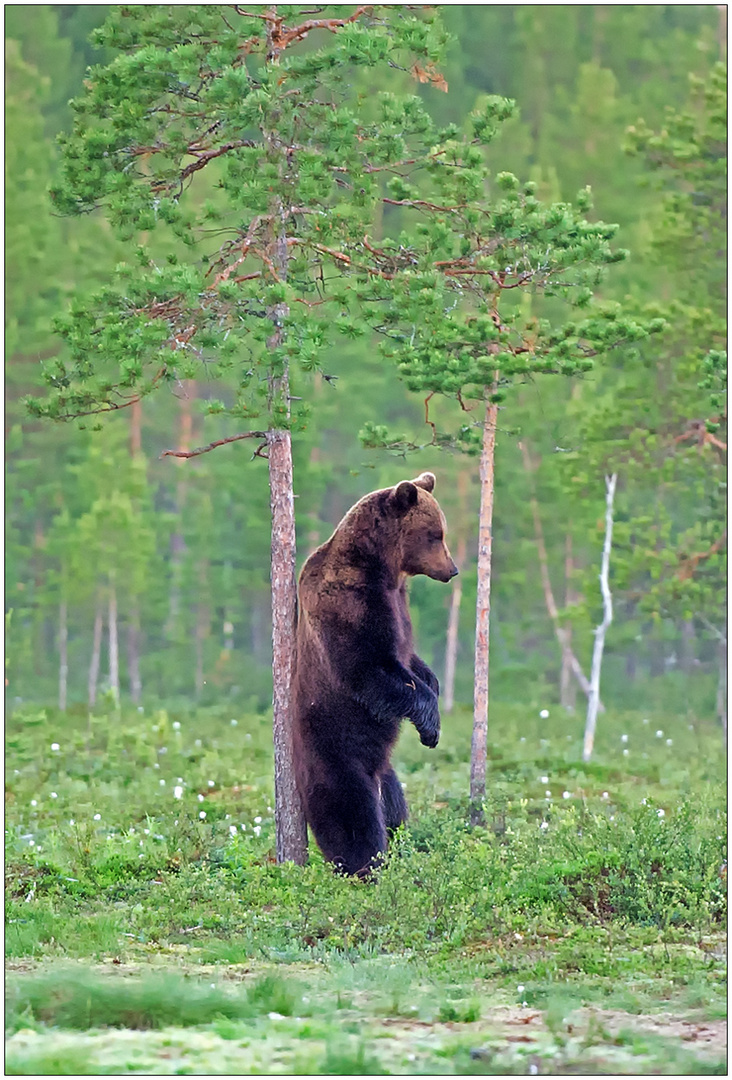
(290, 826)
(113, 643)
(95, 656)
(133, 654)
(562, 633)
(479, 743)
(453, 622)
(607, 618)
(136, 428)
(63, 655)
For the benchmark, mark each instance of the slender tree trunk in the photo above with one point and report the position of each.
(95, 656)
(136, 428)
(113, 643)
(290, 825)
(607, 618)
(133, 653)
(453, 623)
(479, 744)
(562, 633)
(63, 655)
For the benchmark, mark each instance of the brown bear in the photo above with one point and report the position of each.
(357, 675)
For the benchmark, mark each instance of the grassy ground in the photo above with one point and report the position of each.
(580, 931)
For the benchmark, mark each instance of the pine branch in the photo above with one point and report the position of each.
(213, 445)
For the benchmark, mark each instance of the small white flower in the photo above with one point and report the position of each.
(55, 746)
(232, 830)
(520, 988)
(72, 822)
(54, 795)
(146, 832)
(623, 738)
(176, 725)
(257, 829)
(200, 798)
(31, 843)
(202, 815)
(543, 824)
(646, 720)
(662, 813)
(177, 792)
(691, 727)
(140, 708)
(243, 828)
(544, 714)
(163, 750)
(271, 811)
(522, 739)
(625, 753)
(548, 793)
(132, 829)
(275, 1016)
(257, 820)
(669, 742)
(606, 794)
(566, 794)
(659, 734)
(212, 783)
(97, 817)
(198, 743)
(34, 802)
(162, 783)
(543, 779)
(156, 765)
(234, 723)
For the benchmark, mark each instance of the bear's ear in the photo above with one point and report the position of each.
(405, 496)
(425, 480)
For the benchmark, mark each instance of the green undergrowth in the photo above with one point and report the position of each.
(142, 891)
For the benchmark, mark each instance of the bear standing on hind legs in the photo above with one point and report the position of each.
(357, 676)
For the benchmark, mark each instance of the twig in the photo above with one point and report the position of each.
(213, 445)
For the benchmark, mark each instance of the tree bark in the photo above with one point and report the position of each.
(479, 743)
(95, 656)
(63, 655)
(113, 643)
(607, 607)
(290, 826)
(133, 654)
(177, 541)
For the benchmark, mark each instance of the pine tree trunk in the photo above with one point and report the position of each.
(113, 644)
(607, 606)
(95, 656)
(133, 654)
(479, 744)
(177, 541)
(136, 428)
(453, 623)
(63, 655)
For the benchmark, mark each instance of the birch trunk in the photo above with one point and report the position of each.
(133, 654)
(453, 623)
(113, 644)
(290, 827)
(607, 607)
(95, 656)
(479, 744)
(63, 655)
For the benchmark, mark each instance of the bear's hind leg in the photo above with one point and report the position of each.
(393, 803)
(346, 817)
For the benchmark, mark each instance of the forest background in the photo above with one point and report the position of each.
(148, 577)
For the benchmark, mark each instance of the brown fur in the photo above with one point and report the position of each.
(357, 675)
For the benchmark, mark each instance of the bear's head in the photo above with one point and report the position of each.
(421, 529)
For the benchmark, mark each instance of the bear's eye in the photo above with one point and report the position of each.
(435, 538)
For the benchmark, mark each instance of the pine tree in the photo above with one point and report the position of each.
(260, 99)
